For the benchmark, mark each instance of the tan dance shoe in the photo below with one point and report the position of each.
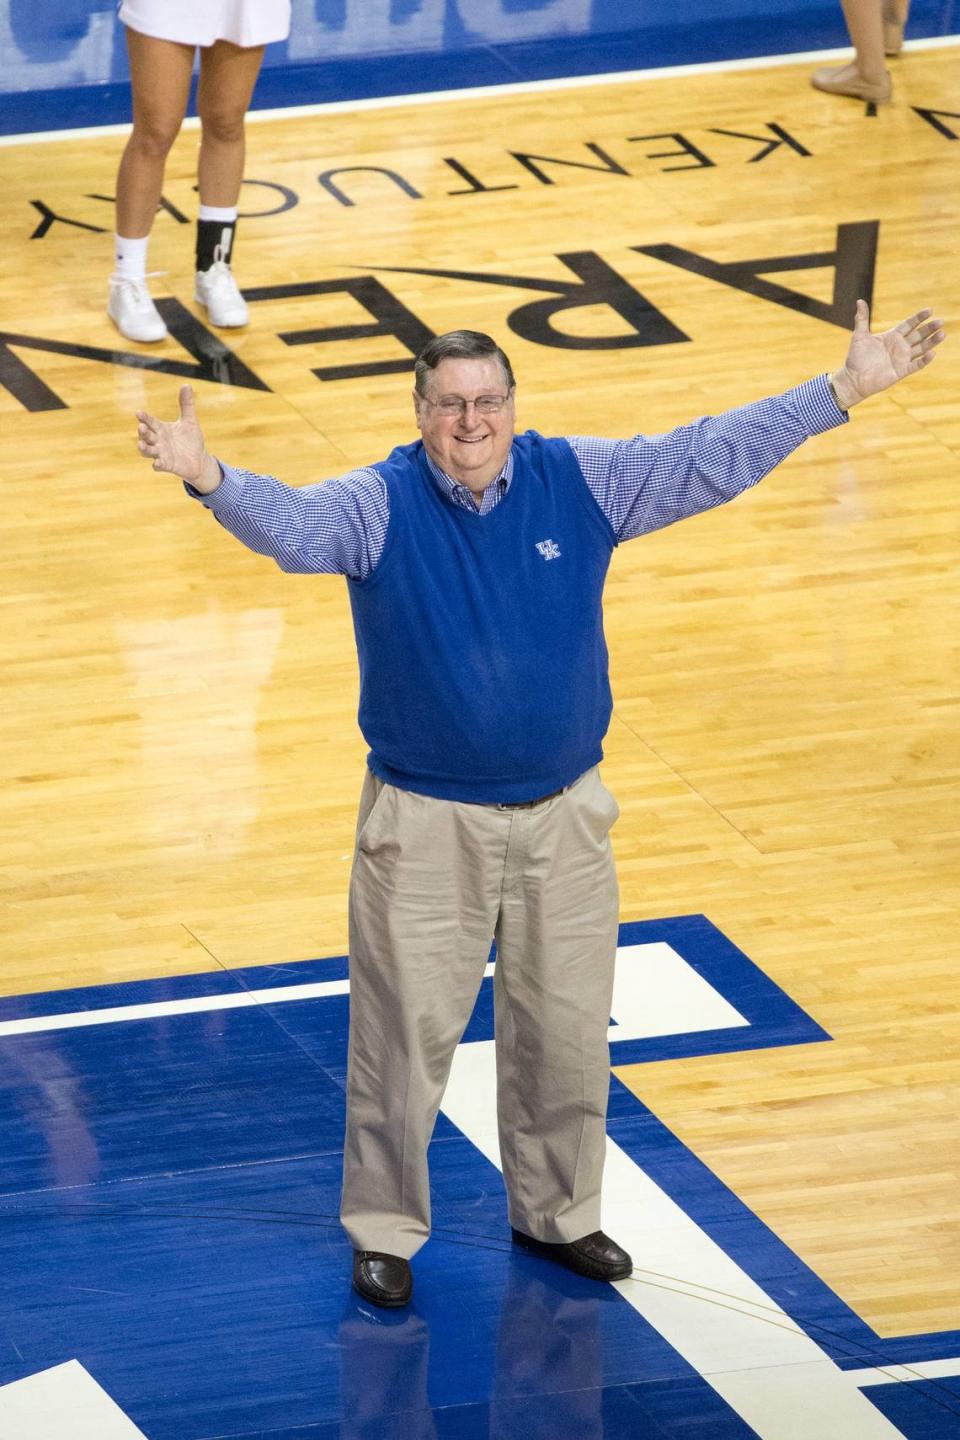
(847, 80)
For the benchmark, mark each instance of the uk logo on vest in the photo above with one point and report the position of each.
(549, 549)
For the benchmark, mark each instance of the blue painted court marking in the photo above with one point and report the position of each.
(63, 64)
(921, 1409)
(771, 1017)
(171, 1190)
(169, 1187)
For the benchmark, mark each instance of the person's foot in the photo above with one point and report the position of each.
(132, 310)
(218, 291)
(847, 80)
(382, 1279)
(596, 1255)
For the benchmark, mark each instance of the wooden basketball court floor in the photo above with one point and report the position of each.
(181, 766)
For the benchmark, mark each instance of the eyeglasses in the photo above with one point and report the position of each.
(456, 405)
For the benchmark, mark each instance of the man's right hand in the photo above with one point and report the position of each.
(177, 445)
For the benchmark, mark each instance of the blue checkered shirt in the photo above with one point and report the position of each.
(643, 484)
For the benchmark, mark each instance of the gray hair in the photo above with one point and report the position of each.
(459, 345)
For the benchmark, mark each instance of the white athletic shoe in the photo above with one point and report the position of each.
(132, 311)
(218, 291)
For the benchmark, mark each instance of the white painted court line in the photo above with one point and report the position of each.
(480, 92)
(897, 1374)
(656, 993)
(155, 1010)
(64, 1403)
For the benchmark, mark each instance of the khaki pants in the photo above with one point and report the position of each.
(433, 882)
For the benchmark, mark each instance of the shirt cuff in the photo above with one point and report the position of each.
(225, 496)
(819, 410)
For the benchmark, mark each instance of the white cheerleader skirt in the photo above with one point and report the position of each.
(203, 22)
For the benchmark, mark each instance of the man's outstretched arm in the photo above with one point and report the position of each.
(650, 481)
(335, 528)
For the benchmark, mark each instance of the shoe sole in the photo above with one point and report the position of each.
(221, 324)
(142, 339)
(138, 339)
(854, 94)
(381, 1298)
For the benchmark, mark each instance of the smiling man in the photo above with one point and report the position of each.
(476, 561)
(468, 428)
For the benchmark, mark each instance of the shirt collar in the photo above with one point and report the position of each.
(461, 495)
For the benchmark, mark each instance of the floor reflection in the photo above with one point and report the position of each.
(547, 1372)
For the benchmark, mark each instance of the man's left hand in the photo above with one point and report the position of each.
(875, 362)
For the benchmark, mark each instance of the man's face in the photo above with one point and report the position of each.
(469, 444)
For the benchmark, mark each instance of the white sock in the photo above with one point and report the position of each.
(130, 257)
(226, 213)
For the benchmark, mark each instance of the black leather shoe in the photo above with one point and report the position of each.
(594, 1255)
(382, 1279)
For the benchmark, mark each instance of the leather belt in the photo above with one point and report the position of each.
(529, 804)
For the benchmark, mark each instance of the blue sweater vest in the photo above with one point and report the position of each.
(483, 664)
